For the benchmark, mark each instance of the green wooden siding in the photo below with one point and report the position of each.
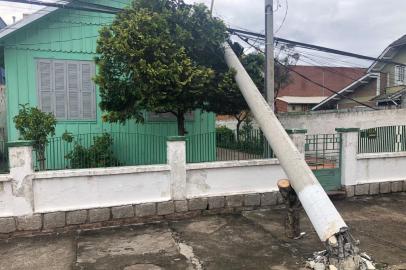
(71, 35)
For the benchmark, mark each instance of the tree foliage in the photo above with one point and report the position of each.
(35, 125)
(161, 56)
(230, 101)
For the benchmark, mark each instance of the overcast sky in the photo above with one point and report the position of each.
(360, 26)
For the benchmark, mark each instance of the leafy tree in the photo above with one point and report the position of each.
(227, 99)
(35, 125)
(98, 155)
(230, 101)
(162, 56)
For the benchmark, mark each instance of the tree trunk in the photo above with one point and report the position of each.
(292, 220)
(181, 124)
(240, 118)
(41, 159)
(239, 122)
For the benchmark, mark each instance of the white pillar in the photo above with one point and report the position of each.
(349, 149)
(22, 173)
(176, 151)
(298, 137)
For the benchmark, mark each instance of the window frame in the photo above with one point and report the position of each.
(400, 70)
(66, 62)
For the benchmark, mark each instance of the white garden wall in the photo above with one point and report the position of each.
(93, 188)
(381, 167)
(234, 177)
(25, 193)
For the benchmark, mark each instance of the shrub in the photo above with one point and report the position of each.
(249, 140)
(225, 137)
(98, 155)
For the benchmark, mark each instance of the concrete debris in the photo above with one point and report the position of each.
(368, 264)
(320, 261)
(319, 266)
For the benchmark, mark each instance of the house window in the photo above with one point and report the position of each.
(400, 75)
(66, 89)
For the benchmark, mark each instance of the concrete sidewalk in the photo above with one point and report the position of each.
(252, 240)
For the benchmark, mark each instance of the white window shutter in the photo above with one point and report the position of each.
(73, 90)
(66, 89)
(44, 79)
(60, 89)
(88, 98)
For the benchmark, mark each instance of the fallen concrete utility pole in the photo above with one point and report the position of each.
(325, 218)
(321, 211)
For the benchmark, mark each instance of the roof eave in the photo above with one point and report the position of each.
(20, 24)
(346, 89)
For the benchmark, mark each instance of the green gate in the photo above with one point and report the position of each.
(323, 155)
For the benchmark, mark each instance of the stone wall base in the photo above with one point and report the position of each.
(376, 188)
(59, 222)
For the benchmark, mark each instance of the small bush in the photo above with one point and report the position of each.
(35, 125)
(249, 140)
(225, 137)
(98, 155)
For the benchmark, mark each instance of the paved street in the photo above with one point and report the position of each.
(252, 240)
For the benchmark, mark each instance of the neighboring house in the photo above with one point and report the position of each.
(301, 94)
(383, 86)
(49, 63)
(2, 23)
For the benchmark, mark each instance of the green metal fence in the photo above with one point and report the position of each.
(86, 151)
(4, 162)
(323, 155)
(382, 139)
(323, 151)
(227, 146)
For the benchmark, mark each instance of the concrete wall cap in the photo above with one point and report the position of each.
(20, 143)
(344, 130)
(296, 131)
(176, 138)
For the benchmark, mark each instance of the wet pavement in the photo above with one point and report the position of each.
(251, 240)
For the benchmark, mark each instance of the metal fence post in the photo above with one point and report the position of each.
(177, 161)
(349, 137)
(298, 137)
(22, 173)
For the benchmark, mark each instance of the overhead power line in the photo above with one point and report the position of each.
(112, 10)
(313, 47)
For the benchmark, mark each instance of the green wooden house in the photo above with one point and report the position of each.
(48, 59)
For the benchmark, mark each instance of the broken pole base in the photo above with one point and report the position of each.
(343, 252)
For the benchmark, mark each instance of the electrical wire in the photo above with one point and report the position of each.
(108, 9)
(284, 18)
(314, 47)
